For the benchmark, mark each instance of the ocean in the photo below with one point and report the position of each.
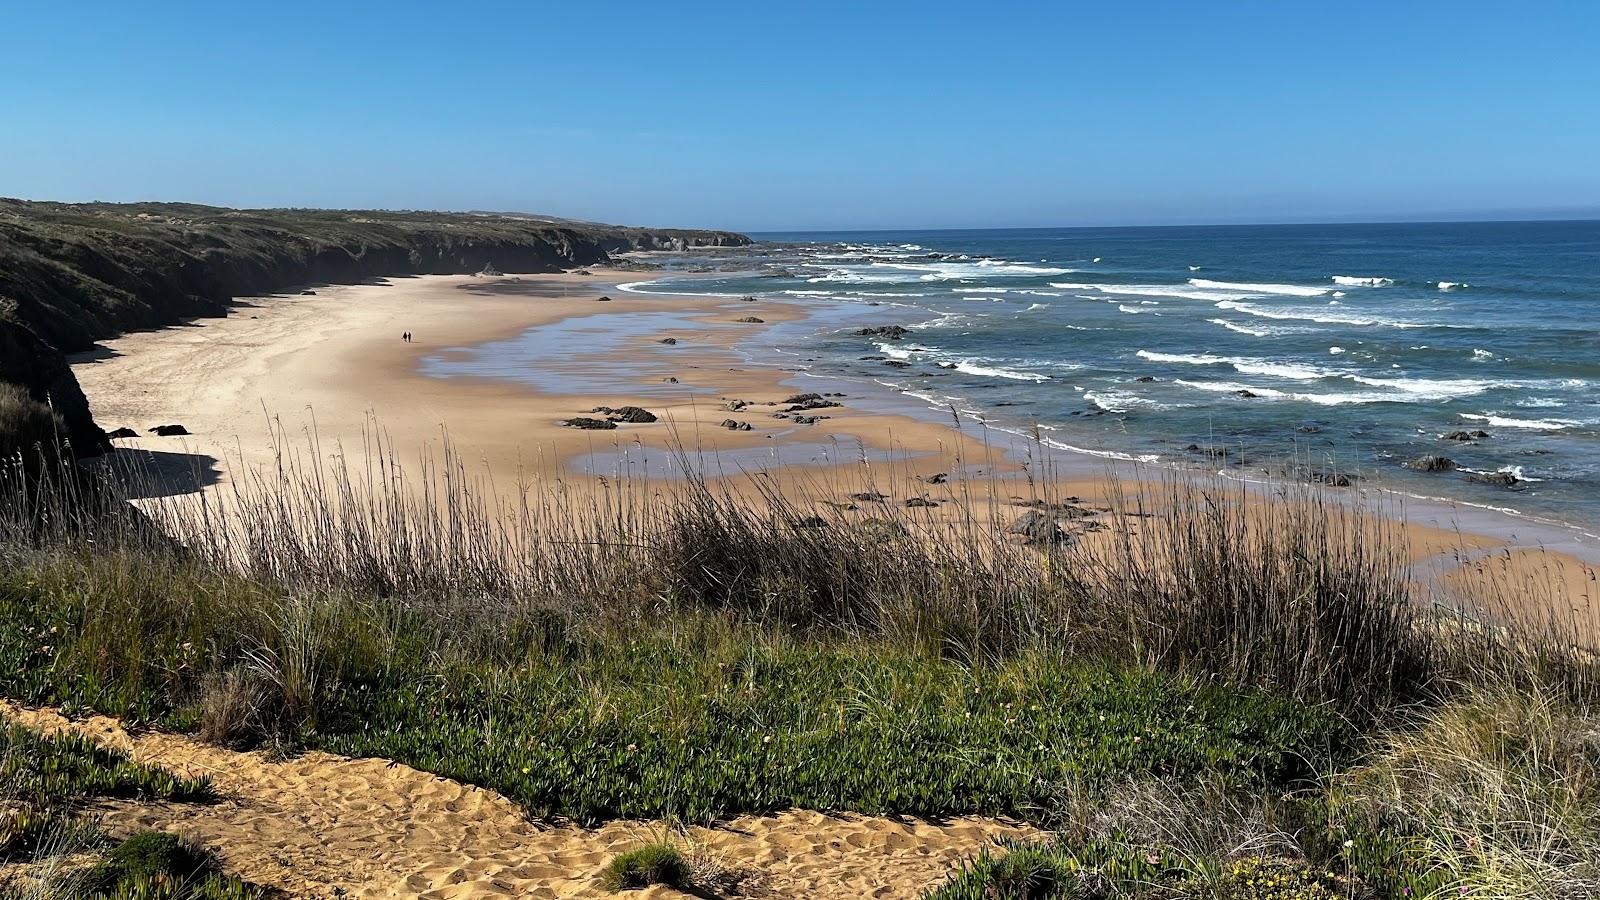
(1348, 348)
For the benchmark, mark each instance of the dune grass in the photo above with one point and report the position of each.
(659, 863)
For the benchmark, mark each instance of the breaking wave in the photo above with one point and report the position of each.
(1289, 290)
(1509, 422)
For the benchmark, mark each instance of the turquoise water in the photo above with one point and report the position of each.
(1357, 347)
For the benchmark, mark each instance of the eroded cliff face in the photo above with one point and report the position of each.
(26, 360)
(86, 272)
(80, 273)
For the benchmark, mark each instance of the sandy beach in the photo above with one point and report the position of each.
(327, 368)
(334, 362)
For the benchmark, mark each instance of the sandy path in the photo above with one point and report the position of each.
(319, 823)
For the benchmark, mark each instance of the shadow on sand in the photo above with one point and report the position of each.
(145, 474)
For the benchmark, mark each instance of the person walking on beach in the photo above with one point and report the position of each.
(406, 337)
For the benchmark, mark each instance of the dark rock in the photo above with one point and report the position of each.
(1309, 429)
(814, 403)
(888, 332)
(590, 424)
(602, 299)
(668, 340)
(915, 502)
(1497, 479)
(748, 299)
(1145, 379)
(122, 433)
(751, 320)
(1038, 528)
(897, 363)
(811, 522)
(308, 293)
(735, 425)
(1462, 436)
(735, 405)
(803, 398)
(632, 415)
(936, 478)
(808, 420)
(869, 497)
(883, 529)
(1431, 463)
(1248, 395)
(169, 430)
(1064, 510)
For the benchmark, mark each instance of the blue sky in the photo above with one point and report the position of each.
(766, 116)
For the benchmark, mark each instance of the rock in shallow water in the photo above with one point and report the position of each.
(1431, 463)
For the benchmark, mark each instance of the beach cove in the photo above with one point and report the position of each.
(498, 364)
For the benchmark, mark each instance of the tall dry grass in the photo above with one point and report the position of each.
(1304, 592)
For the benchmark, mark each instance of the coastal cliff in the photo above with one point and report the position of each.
(73, 274)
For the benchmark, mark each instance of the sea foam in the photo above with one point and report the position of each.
(1290, 290)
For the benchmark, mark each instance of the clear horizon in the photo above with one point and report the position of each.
(830, 118)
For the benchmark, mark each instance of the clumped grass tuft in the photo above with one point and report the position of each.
(28, 429)
(1496, 793)
(156, 865)
(659, 863)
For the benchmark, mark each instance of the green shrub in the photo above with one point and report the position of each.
(150, 854)
(155, 865)
(1256, 878)
(29, 831)
(650, 864)
(47, 770)
(1061, 871)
